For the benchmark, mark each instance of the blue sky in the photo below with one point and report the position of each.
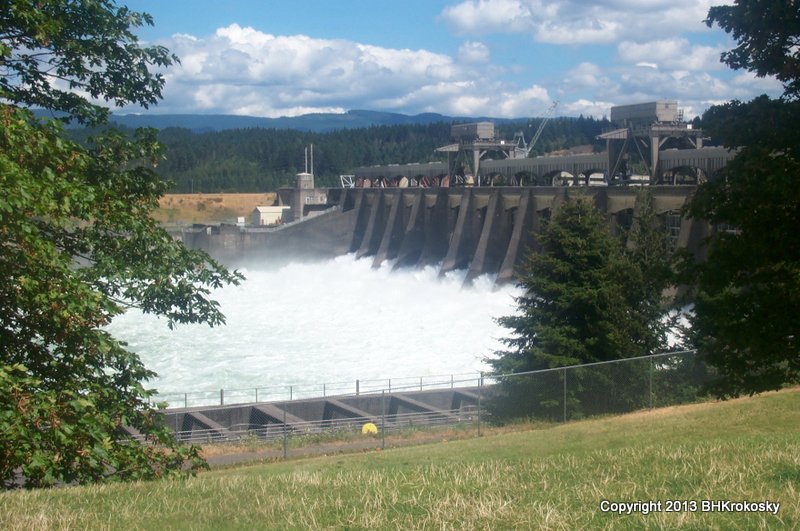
(500, 58)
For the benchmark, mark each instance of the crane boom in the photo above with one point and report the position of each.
(525, 150)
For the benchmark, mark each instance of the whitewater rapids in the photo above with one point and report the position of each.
(330, 322)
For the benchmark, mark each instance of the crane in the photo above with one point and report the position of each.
(524, 151)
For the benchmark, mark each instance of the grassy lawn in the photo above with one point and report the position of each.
(556, 477)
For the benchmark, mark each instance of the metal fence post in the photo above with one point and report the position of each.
(565, 394)
(185, 399)
(480, 392)
(323, 391)
(651, 382)
(285, 435)
(221, 397)
(256, 395)
(358, 385)
(383, 419)
(420, 383)
(290, 393)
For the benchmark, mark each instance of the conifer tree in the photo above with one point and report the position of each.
(747, 295)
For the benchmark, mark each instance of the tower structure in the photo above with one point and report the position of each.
(645, 127)
(472, 142)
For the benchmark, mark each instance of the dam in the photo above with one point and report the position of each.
(483, 230)
(482, 214)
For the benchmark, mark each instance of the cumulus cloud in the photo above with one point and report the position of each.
(758, 85)
(586, 76)
(674, 53)
(577, 21)
(650, 46)
(595, 109)
(241, 70)
(473, 52)
(487, 16)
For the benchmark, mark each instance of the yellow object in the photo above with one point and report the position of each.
(369, 429)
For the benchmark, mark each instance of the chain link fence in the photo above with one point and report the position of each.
(603, 388)
(551, 395)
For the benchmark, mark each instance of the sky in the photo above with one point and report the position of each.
(496, 58)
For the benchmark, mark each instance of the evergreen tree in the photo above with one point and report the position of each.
(586, 300)
(747, 296)
(653, 273)
(580, 296)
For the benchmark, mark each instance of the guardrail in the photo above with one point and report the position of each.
(247, 395)
(328, 429)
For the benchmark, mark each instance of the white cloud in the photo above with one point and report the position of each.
(487, 16)
(586, 76)
(595, 109)
(757, 85)
(674, 53)
(473, 52)
(577, 21)
(240, 70)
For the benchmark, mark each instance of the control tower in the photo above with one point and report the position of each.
(472, 142)
(645, 127)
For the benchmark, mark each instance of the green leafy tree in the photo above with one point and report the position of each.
(747, 296)
(767, 34)
(77, 247)
(53, 50)
(586, 300)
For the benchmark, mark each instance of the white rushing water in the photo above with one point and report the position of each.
(327, 322)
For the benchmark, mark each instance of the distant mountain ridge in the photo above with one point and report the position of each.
(316, 122)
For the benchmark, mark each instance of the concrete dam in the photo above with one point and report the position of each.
(484, 230)
(419, 215)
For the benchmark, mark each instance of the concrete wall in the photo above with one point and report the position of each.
(223, 422)
(482, 230)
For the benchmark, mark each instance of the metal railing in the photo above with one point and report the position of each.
(247, 395)
(321, 430)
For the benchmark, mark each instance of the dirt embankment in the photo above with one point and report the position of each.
(210, 208)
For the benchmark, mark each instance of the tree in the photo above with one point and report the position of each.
(767, 34)
(586, 300)
(747, 295)
(77, 247)
(54, 50)
(647, 248)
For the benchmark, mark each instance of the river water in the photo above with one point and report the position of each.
(332, 323)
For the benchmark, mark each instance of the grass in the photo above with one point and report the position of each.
(209, 208)
(556, 477)
(349, 440)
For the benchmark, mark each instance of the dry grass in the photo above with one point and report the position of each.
(209, 208)
(546, 478)
(353, 441)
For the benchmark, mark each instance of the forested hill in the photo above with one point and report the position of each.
(261, 159)
(314, 122)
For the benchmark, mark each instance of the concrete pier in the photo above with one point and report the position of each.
(481, 230)
(267, 419)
